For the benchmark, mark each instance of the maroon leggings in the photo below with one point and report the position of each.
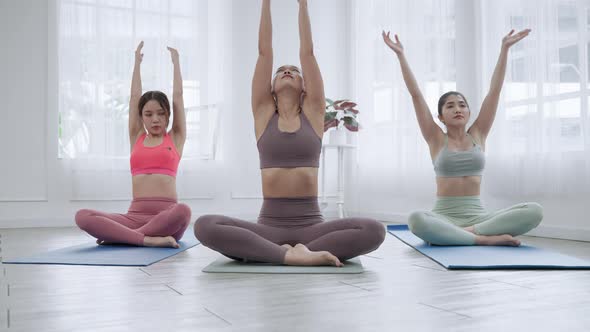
(152, 216)
(288, 221)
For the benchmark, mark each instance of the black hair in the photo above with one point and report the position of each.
(158, 96)
(443, 99)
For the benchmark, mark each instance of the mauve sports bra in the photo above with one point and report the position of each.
(279, 149)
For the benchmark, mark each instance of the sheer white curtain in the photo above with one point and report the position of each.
(539, 147)
(393, 158)
(97, 39)
(540, 143)
(96, 44)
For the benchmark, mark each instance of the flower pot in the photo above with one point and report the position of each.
(338, 137)
(352, 138)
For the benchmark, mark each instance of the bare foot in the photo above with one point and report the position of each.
(160, 241)
(300, 255)
(493, 240)
(470, 229)
(288, 246)
(497, 240)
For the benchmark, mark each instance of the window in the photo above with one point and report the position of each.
(549, 75)
(97, 40)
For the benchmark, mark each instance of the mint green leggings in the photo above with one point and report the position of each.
(444, 225)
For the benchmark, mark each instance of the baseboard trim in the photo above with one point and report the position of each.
(238, 196)
(69, 221)
(560, 232)
(128, 199)
(24, 200)
(36, 222)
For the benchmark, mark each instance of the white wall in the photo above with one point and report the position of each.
(36, 188)
(24, 100)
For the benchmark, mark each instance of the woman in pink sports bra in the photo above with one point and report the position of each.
(155, 218)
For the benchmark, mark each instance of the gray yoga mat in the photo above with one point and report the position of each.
(226, 265)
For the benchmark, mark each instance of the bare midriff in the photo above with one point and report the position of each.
(458, 186)
(154, 185)
(290, 182)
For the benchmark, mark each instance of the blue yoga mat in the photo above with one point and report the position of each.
(488, 257)
(110, 255)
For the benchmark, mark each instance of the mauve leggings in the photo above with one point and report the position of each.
(288, 221)
(154, 216)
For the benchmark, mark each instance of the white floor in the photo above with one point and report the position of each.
(401, 290)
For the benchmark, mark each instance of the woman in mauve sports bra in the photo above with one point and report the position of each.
(458, 217)
(289, 124)
(154, 219)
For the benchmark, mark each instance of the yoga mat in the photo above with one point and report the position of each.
(226, 265)
(489, 257)
(110, 255)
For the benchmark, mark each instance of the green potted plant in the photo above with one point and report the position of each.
(340, 114)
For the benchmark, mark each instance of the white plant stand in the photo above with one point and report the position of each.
(340, 148)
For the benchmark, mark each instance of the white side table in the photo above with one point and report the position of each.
(340, 148)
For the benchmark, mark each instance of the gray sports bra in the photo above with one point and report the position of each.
(459, 163)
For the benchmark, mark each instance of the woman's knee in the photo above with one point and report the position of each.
(205, 226)
(534, 213)
(183, 213)
(83, 218)
(375, 231)
(417, 222)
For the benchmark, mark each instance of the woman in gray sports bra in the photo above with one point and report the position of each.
(458, 217)
(289, 124)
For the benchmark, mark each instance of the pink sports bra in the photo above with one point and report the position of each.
(160, 159)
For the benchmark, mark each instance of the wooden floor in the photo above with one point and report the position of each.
(401, 290)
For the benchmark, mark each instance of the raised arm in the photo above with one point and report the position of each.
(261, 82)
(314, 85)
(485, 119)
(135, 123)
(430, 130)
(178, 130)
